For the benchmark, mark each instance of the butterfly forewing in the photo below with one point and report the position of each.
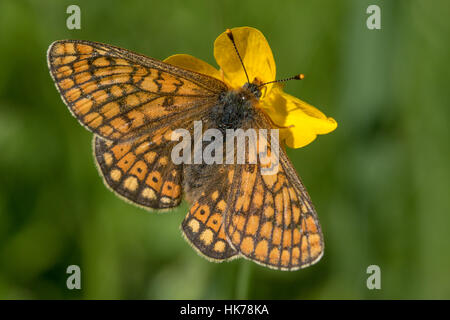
(120, 95)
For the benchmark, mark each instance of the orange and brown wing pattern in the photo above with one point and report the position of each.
(119, 95)
(271, 219)
(203, 226)
(140, 171)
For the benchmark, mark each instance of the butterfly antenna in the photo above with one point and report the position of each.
(300, 76)
(230, 36)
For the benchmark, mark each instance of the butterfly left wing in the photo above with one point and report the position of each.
(119, 95)
(131, 103)
(140, 171)
(270, 218)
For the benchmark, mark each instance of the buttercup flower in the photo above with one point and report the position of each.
(299, 122)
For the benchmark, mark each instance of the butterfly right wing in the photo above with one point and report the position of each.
(270, 218)
(119, 95)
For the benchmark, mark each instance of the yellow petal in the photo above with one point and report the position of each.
(255, 52)
(301, 121)
(189, 62)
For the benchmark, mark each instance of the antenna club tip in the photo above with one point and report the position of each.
(301, 76)
(229, 34)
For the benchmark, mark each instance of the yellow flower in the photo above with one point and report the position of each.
(300, 122)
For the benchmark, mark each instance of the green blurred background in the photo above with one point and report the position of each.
(380, 182)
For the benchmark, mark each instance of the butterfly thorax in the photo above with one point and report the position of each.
(235, 107)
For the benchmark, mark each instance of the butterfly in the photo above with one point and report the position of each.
(133, 104)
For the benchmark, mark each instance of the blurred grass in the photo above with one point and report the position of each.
(380, 182)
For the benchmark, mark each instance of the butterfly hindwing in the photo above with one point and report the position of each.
(203, 226)
(118, 94)
(140, 171)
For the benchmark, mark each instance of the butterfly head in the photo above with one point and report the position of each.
(253, 89)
